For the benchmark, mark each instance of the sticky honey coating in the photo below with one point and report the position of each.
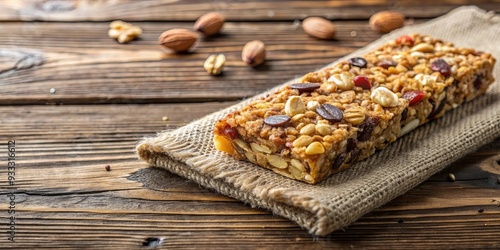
(330, 119)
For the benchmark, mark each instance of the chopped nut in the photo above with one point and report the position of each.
(302, 141)
(298, 165)
(423, 47)
(294, 105)
(409, 127)
(315, 148)
(277, 161)
(308, 129)
(123, 32)
(323, 129)
(342, 80)
(260, 148)
(214, 64)
(312, 105)
(384, 97)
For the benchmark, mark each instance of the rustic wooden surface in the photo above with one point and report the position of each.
(108, 96)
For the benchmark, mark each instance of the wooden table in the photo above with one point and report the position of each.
(74, 101)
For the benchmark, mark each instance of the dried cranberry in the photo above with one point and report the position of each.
(358, 62)
(230, 131)
(305, 87)
(386, 63)
(277, 120)
(405, 40)
(442, 67)
(362, 81)
(414, 96)
(330, 112)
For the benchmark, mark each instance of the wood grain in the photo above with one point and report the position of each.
(167, 10)
(66, 198)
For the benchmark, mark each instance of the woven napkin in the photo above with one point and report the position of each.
(343, 198)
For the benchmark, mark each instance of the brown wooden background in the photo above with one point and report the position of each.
(109, 95)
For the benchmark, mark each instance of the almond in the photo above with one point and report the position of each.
(178, 40)
(319, 27)
(209, 24)
(254, 53)
(386, 21)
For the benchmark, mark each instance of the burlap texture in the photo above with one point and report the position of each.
(344, 197)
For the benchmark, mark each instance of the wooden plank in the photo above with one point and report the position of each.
(166, 10)
(83, 65)
(66, 198)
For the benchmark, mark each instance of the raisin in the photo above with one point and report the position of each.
(387, 63)
(351, 144)
(354, 155)
(436, 109)
(358, 62)
(404, 114)
(366, 128)
(338, 161)
(478, 81)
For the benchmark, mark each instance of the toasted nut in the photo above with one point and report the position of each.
(409, 127)
(260, 148)
(214, 64)
(312, 105)
(297, 117)
(277, 161)
(315, 148)
(209, 24)
(342, 80)
(294, 105)
(386, 21)
(319, 27)
(250, 156)
(308, 129)
(422, 47)
(309, 178)
(384, 97)
(323, 129)
(254, 53)
(178, 40)
(123, 32)
(354, 115)
(295, 172)
(302, 141)
(242, 144)
(298, 165)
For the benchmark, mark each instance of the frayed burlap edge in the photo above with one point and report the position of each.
(173, 151)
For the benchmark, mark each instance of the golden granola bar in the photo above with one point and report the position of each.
(331, 119)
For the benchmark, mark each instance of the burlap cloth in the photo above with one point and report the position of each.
(343, 198)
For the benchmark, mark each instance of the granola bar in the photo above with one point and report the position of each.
(333, 118)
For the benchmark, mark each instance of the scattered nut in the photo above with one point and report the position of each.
(165, 118)
(451, 177)
(294, 105)
(214, 64)
(384, 97)
(319, 27)
(107, 167)
(386, 21)
(123, 32)
(254, 53)
(209, 24)
(178, 40)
